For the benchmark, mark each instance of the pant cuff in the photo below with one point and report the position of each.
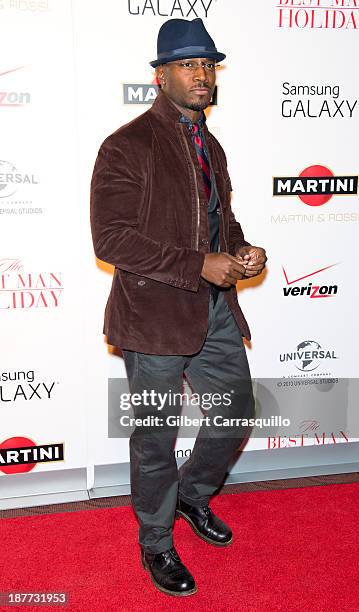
(158, 548)
(191, 502)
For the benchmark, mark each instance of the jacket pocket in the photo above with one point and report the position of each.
(134, 283)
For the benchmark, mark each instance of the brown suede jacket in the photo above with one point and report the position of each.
(149, 220)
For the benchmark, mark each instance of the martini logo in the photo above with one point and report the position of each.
(19, 454)
(318, 14)
(12, 97)
(310, 290)
(23, 290)
(31, 6)
(17, 386)
(308, 356)
(141, 93)
(315, 185)
(188, 9)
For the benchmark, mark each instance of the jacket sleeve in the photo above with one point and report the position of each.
(117, 193)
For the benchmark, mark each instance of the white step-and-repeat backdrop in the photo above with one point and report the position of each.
(287, 114)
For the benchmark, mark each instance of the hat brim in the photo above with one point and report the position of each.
(171, 58)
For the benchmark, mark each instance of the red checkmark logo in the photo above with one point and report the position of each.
(12, 70)
(306, 275)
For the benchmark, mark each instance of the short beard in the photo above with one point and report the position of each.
(196, 107)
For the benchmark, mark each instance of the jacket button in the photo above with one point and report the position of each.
(141, 283)
(204, 241)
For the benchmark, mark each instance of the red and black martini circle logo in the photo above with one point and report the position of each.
(19, 454)
(315, 185)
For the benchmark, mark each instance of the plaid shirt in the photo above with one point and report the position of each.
(213, 219)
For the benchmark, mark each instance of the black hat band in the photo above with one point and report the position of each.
(186, 51)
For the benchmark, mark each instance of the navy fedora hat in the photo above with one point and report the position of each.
(181, 38)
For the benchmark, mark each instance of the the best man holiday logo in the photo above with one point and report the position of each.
(318, 14)
(22, 289)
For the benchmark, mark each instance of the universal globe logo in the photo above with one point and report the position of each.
(308, 356)
(11, 178)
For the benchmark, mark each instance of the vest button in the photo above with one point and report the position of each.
(204, 241)
(141, 283)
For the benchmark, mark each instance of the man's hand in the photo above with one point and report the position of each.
(222, 269)
(253, 259)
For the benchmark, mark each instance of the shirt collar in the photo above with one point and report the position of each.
(201, 121)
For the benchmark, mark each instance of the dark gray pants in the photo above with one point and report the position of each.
(220, 366)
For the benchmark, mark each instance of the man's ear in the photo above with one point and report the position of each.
(160, 74)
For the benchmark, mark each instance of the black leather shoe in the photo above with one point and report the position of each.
(168, 573)
(204, 523)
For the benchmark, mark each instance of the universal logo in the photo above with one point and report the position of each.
(315, 185)
(188, 9)
(11, 179)
(143, 93)
(308, 356)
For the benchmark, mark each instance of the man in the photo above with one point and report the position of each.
(161, 215)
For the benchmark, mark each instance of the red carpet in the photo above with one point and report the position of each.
(294, 549)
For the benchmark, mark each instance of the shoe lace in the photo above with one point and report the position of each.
(174, 554)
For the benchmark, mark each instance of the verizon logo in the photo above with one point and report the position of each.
(309, 290)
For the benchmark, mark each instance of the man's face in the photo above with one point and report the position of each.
(188, 82)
